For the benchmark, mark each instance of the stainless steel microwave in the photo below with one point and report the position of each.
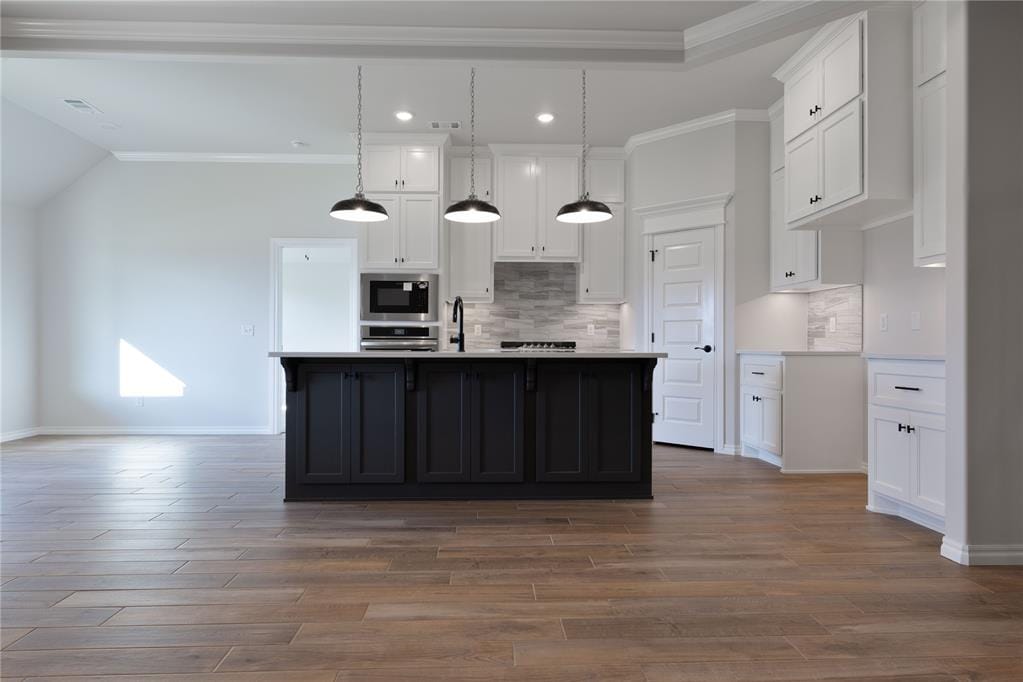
(399, 297)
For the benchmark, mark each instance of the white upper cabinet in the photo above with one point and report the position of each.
(605, 180)
(602, 272)
(471, 264)
(793, 252)
(458, 180)
(380, 242)
(930, 108)
(848, 123)
(401, 168)
(530, 190)
(408, 239)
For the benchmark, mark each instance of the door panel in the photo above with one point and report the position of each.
(770, 429)
(841, 150)
(614, 393)
(459, 180)
(889, 448)
(378, 434)
(561, 438)
(927, 468)
(751, 419)
(802, 95)
(559, 185)
(601, 273)
(841, 70)
(930, 169)
(682, 313)
(498, 422)
(379, 242)
(442, 421)
(420, 169)
(381, 168)
(802, 176)
(515, 232)
(419, 234)
(323, 440)
(472, 268)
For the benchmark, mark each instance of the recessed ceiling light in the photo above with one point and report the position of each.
(545, 117)
(403, 116)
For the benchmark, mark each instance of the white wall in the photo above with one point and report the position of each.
(892, 285)
(174, 259)
(18, 416)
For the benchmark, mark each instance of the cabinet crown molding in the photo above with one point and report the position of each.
(537, 149)
(439, 139)
(690, 126)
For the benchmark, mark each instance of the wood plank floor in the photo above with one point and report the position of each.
(173, 558)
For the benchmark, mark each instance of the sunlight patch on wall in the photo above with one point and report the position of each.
(141, 377)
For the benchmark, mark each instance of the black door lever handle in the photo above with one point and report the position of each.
(705, 349)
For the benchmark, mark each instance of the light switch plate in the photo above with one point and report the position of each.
(477, 330)
(914, 321)
(884, 322)
(591, 329)
(248, 330)
(832, 323)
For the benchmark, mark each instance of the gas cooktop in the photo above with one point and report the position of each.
(553, 346)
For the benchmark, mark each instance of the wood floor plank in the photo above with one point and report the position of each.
(344, 654)
(72, 583)
(180, 597)
(653, 650)
(234, 613)
(909, 645)
(110, 661)
(133, 636)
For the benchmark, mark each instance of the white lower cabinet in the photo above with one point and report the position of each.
(906, 440)
(761, 421)
(407, 240)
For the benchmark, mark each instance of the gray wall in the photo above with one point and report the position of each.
(18, 325)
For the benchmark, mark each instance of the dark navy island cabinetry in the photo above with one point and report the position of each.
(400, 425)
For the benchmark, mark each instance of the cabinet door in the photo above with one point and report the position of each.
(930, 43)
(605, 180)
(377, 423)
(841, 70)
(471, 266)
(498, 422)
(770, 429)
(442, 422)
(783, 240)
(802, 176)
(420, 169)
(807, 257)
(381, 168)
(888, 447)
(841, 152)
(419, 233)
(802, 96)
(752, 419)
(458, 181)
(379, 242)
(602, 273)
(929, 171)
(927, 462)
(559, 185)
(323, 438)
(561, 438)
(612, 423)
(515, 232)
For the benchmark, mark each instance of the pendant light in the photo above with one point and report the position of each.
(359, 209)
(473, 209)
(585, 210)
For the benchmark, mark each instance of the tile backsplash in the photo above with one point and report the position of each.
(845, 305)
(537, 302)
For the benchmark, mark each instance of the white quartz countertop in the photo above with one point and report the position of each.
(476, 355)
(905, 356)
(747, 351)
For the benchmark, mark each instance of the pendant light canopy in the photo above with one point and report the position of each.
(585, 210)
(359, 209)
(473, 209)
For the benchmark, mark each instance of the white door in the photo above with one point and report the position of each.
(420, 169)
(471, 265)
(841, 72)
(841, 147)
(802, 177)
(889, 451)
(378, 242)
(602, 272)
(682, 318)
(559, 185)
(381, 168)
(802, 95)
(515, 232)
(418, 232)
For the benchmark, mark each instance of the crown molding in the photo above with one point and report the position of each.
(439, 139)
(218, 157)
(686, 127)
(547, 149)
(740, 20)
(776, 109)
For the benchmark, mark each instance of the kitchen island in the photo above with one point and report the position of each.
(473, 425)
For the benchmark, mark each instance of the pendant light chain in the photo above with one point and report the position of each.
(358, 135)
(585, 193)
(472, 133)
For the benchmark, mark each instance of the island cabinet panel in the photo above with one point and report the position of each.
(323, 436)
(561, 432)
(613, 422)
(377, 423)
(443, 411)
(498, 426)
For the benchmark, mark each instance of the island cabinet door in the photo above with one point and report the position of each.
(497, 423)
(561, 433)
(377, 423)
(443, 411)
(322, 424)
(612, 422)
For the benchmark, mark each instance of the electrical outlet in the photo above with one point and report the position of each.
(140, 402)
(477, 329)
(914, 321)
(248, 330)
(832, 323)
(884, 322)
(591, 329)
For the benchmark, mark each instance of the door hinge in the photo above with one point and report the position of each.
(653, 254)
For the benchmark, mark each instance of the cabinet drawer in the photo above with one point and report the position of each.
(761, 371)
(914, 386)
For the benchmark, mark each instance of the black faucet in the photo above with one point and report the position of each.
(458, 315)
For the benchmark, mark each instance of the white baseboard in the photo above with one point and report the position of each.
(155, 430)
(726, 449)
(822, 471)
(982, 555)
(19, 434)
(880, 504)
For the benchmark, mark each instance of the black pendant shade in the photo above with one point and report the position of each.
(585, 210)
(358, 209)
(472, 210)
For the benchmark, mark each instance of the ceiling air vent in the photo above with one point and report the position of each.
(445, 125)
(82, 106)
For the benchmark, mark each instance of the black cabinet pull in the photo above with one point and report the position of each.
(910, 429)
(812, 201)
(907, 388)
(395, 184)
(811, 112)
(758, 373)
(395, 259)
(819, 198)
(587, 290)
(901, 426)
(403, 183)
